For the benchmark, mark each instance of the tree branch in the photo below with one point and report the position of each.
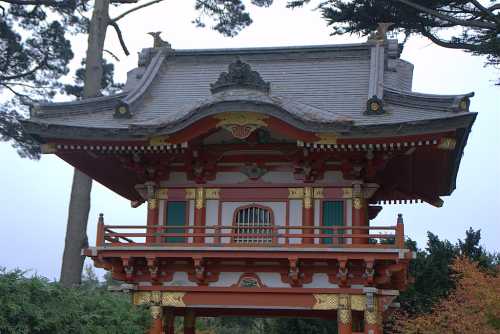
(485, 10)
(112, 54)
(22, 96)
(120, 36)
(121, 16)
(17, 76)
(448, 45)
(467, 23)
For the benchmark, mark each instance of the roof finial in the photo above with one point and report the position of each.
(381, 33)
(158, 41)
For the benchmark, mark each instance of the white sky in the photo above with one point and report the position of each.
(34, 194)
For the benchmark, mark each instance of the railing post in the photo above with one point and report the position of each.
(400, 232)
(100, 231)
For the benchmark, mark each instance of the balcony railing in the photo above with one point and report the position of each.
(237, 236)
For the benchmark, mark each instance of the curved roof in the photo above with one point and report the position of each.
(315, 88)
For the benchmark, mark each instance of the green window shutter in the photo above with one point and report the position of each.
(333, 215)
(176, 216)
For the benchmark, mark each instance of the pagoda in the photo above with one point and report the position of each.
(261, 169)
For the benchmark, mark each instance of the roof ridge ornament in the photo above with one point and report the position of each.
(158, 41)
(240, 74)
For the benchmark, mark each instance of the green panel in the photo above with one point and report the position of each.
(176, 216)
(333, 215)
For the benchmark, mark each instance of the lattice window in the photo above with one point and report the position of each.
(254, 224)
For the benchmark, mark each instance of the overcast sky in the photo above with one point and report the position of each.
(34, 194)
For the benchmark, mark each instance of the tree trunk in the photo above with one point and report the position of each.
(79, 204)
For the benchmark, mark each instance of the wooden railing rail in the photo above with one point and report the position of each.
(282, 236)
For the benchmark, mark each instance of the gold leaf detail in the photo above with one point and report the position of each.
(318, 193)
(344, 316)
(162, 193)
(447, 144)
(152, 204)
(241, 119)
(326, 302)
(326, 138)
(190, 193)
(346, 192)
(173, 299)
(357, 203)
(358, 302)
(295, 193)
(159, 140)
(212, 193)
(48, 148)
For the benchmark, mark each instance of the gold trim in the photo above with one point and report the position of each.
(156, 312)
(318, 193)
(200, 198)
(357, 203)
(190, 193)
(308, 193)
(447, 144)
(358, 302)
(295, 193)
(326, 138)
(159, 298)
(326, 302)
(49, 148)
(212, 193)
(346, 192)
(241, 118)
(162, 193)
(159, 140)
(152, 204)
(344, 316)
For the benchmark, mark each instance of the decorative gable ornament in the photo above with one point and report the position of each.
(240, 75)
(241, 124)
(374, 106)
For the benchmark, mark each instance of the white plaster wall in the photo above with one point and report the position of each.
(161, 212)
(333, 177)
(272, 280)
(175, 178)
(229, 178)
(212, 217)
(226, 279)
(180, 279)
(295, 218)
(279, 177)
(320, 280)
(228, 209)
(317, 219)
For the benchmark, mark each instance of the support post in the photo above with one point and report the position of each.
(169, 321)
(157, 323)
(189, 322)
(400, 232)
(100, 231)
(308, 215)
(199, 215)
(344, 320)
(153, 213)
(373, 318)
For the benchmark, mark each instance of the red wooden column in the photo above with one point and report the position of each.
(153, 212)
(308, 215)
(373, 319)
(169, 321)
(344, 320)
(199, 214)
(189, 322)
(157, 323)
(359, 213)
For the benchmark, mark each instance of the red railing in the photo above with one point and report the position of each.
(265, 236)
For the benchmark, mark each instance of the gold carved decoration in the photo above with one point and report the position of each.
(159, 298)
(48, 148)
(152, 204)
(155, 312)
(358, 302)
(162, 193)
(326, 138)
(344, 316)
(308, 193)
(241, 124)
(447, 144)
(190, 193)
(371, 317)
(326, 302)
(212, 193)
(159, 140)
(295, 193)
(357, 203)
(346, 192)
(200, 198)
(318, 193)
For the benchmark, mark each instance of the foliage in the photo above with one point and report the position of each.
(36, 306)
(469, 25)
(472, 307)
